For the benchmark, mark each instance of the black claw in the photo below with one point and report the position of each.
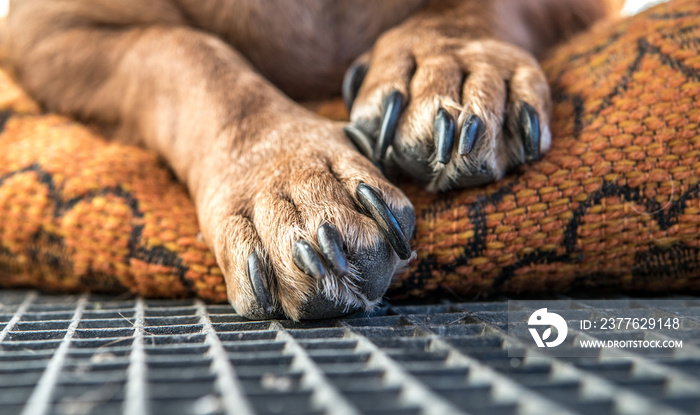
(306, 258)
(256, 276)
(360, 139)
(390, 119)
(363, 143)
(472, 129)
(530, 132)
(352, 83)
(370, 199)
(332, 248)
(444, 133)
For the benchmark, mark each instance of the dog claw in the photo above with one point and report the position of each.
(530, 132)
(444, 132)
(360, 139)
(472, 129)
(332, 248)
(306, 258)
(370, 200)
(256, 277)
(390, 119)
(352, 82)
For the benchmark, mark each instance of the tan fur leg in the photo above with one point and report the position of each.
(277, 189)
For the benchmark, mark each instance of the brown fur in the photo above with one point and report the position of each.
(193, 80)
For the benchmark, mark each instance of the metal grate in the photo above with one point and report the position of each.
(93, 355)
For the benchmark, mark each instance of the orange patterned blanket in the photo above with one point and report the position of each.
(613, 206)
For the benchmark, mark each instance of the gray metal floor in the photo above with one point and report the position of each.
(92, 355)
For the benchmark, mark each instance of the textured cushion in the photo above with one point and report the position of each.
(613, 206)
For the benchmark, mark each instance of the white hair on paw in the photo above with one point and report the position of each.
(346, 291)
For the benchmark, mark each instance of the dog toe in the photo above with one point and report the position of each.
(472, 130)
(361, 282)
(361, 140)
(307, 259)
(530, 132)
(377, 208)
(352, 82)
(331, 244)
(444, 133)
(390, 120)
(264, 306)
(370, 273)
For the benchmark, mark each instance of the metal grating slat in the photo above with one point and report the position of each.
(232, 396)
(39, 403)
(85, 355)
(18, 314)
(327, 396)
(505, 390)
(416, 393)
(135, 401)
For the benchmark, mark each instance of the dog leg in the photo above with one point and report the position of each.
(452, 98)
(301, 224)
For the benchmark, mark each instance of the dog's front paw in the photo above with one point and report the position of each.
(448, 112)
(310, 229)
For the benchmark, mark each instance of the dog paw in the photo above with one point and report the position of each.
(448, 112)
(312, 233)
